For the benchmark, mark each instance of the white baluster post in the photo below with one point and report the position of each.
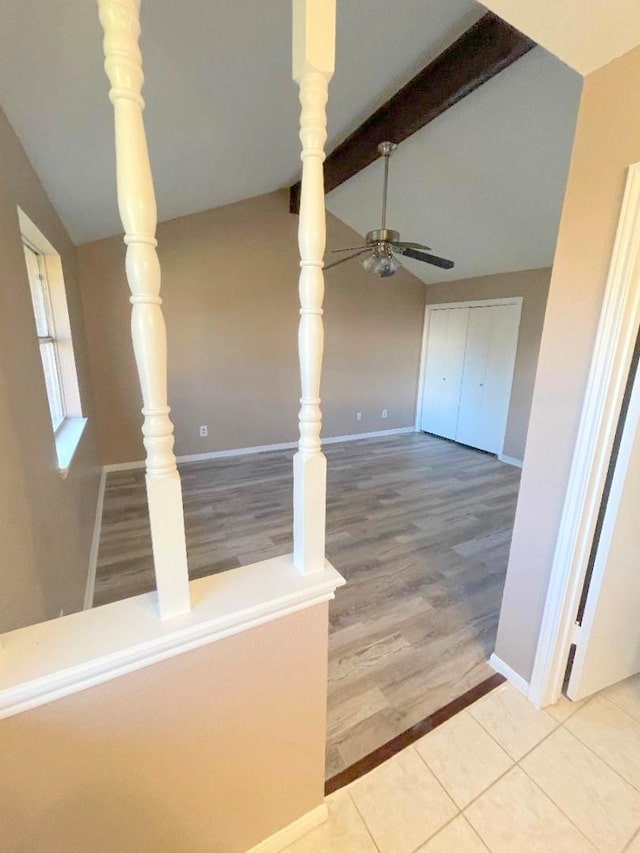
(313, 65)
(137, 206)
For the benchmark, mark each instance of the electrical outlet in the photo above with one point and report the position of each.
(358, 416)
(384, 413)
(204, 431)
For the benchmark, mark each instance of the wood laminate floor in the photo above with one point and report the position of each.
(419, 527)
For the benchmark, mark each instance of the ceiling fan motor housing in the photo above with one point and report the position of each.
(382, 235)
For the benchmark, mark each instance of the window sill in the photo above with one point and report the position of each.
(67, 439)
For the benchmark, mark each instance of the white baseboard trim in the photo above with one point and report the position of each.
(95, 544)
(261, 448)
(510, 460)
(122, 466)
(236, 451)
(379, 433)
(286, 836)
(510, 674)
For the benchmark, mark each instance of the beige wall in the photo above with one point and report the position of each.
(229, 285)
(46, 522)
(210, 751)
(532, 286)
(607, 141)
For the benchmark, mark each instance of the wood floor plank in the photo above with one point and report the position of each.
(420, 528)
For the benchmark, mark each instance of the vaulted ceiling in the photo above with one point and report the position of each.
(482, 183)
(222, 110)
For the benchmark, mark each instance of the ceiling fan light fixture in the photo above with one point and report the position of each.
(381, 242)
(382, 264)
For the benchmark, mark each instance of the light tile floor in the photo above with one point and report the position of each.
(502, 777)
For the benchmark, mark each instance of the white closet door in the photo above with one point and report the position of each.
(473, 379)
(444, 368)
(492, 340)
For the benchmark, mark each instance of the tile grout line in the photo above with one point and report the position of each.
(462, 812)
(360, 815)
(484, 790)
(613, 701)
(438, 782)
(603, 760)
(475, 832)
(631, 840)
(443, 827)
(557, 725)
(593, 751)
(446, 793)
(560, 809)
(588, 748)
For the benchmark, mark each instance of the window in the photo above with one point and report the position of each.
(52, 326)
(45, 330)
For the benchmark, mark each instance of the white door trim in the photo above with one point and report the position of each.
(477, 303)
(614, 345)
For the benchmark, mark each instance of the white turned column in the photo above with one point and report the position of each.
(137, 206)
(313, 65)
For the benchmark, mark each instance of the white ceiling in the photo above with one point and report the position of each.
(222, 110)
(483, 183)
(585, 34)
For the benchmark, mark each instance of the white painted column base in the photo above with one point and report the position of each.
(309, 497)
(166, 516)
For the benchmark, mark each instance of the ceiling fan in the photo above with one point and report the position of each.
(383, 243)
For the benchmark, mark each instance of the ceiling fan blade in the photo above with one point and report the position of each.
(443, 263)
(344, 260)
(399, 244)
(349, 249)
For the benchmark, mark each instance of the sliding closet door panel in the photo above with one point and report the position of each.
(474, 375)
(434, 371)
(488, 373)
(501, 356)
(452, 380)
(446, 345)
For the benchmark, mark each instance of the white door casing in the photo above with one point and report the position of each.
(608, 640)
(612, 354)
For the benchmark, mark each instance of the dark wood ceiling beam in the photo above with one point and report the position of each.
(480, 53)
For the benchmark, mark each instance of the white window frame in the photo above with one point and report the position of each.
(37, 273)
(68, 432)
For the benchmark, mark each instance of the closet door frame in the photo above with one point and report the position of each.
(477, 303)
